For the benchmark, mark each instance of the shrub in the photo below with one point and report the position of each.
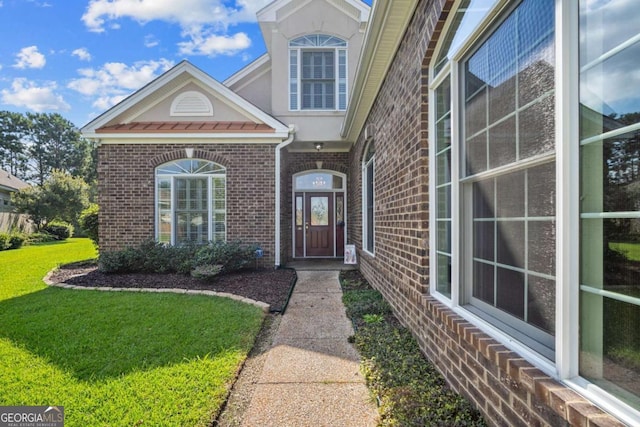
(88, 220)
(41, 237)
(60, 229)
(410, 390)
(203, 261)
(4, 241)
(230, 256)
(16, 240)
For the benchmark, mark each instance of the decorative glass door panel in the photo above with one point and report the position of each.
(319, 216)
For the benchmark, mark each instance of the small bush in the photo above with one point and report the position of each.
(4, 241)
(89, 221)
(206, 272)
(16, 240)
(365, 302)
(230, 256)
(42, 237)
(60, 229)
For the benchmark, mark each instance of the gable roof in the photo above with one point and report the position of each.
(10, 182)
(125, 112)
(279, 10)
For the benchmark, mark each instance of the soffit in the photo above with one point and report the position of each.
(389, 21)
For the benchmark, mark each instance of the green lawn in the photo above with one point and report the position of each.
(115, 358)
(630, 250)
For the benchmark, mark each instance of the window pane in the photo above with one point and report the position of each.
(613, 182)
(537, 128)
(541, 303)
(510, 195)
(541, 190)
(476, 154)
(484, 283)
(610, 345)
(510, 243)
(444, 236)
(510, 292)
(502, 143)
(542, 247)
(484, 240)
(444, 275)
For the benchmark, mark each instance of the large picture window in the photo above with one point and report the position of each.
(610, 198)
(190, 202)
(504, 143)
(317, 73)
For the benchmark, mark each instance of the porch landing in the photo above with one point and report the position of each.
(332, 264)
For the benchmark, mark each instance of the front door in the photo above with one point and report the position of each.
(319, 224)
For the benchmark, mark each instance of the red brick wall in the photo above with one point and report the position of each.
(126, 182)
(507, 389)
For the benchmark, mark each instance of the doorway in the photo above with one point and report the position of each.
(318, 215)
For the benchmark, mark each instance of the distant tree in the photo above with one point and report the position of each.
(61, 197)
(56, 144)
(13, 153)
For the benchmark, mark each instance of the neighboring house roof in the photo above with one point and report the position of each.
(9, 182)
(129, 111)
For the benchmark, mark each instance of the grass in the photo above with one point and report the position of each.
(115, 359)
(630, 250)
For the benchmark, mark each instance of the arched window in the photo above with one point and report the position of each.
(314, 83)
(190, 202)
(368, 198)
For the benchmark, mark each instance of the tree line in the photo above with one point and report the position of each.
(33, 145)
(47, 151)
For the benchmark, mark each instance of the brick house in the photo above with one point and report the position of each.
(473, 151)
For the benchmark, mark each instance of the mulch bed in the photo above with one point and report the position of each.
(270, 286)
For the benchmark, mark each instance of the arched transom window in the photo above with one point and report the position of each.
(317, 73)
(190, 202)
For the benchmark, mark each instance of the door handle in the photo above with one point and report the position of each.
(306, 226)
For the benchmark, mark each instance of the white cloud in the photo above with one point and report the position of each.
(29, 57)
(115, 80)
(213, 45)
(151, 41)
(82, 54)
(204, 23)
(25, 93)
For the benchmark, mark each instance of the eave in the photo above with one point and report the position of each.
(389, 21)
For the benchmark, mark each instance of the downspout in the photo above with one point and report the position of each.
(280, 146)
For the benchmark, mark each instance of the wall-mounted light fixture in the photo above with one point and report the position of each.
(319, 145)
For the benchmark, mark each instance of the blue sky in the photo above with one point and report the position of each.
(80, 57)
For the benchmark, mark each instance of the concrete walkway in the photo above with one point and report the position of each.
(311, 374)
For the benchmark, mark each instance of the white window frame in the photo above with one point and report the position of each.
(314, 42)
(368, 247)
(565, 368)
(211, 211)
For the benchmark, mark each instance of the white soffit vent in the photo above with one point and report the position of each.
(191, 103)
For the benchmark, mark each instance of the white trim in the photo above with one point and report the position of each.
(187, 138)
(365, 201)
(567, 189)
(245, 72)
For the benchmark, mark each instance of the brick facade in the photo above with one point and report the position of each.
(506, 388)
(126, 176)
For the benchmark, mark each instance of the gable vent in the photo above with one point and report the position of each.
(191, 103)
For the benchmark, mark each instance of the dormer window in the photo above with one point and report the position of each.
(317, 73)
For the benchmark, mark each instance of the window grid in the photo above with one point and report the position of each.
(318, 73)
(190, 202)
